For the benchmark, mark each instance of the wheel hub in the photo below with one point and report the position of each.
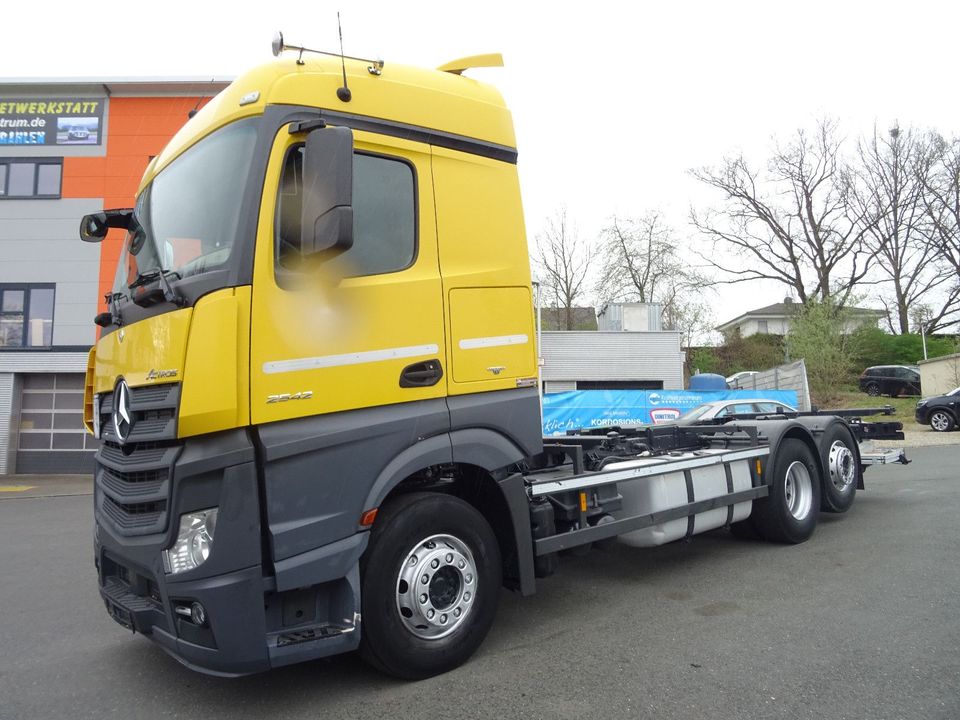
(798, 490)
(436, 586)
(842, 466)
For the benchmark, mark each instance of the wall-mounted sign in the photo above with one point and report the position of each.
(51, 121)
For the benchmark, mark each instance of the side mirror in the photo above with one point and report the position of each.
(326, 222)
(93, 228)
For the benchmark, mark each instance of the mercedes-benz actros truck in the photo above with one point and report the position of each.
(316, 388)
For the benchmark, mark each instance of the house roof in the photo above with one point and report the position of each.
(786, 309)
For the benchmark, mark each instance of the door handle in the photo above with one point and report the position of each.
(421, 374)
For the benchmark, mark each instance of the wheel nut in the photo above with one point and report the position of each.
(466, 597)
(435, 564)
(430, 614)
(449, 558)
(468, 578)
(443, 619)
(423, 599)
(425, 579)
(461, 564)
(457, 612)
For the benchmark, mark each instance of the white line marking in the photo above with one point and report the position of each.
(358, 358)
(488, 342)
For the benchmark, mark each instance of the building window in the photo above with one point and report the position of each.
(26, 316)
(762, 327)
(30, 178)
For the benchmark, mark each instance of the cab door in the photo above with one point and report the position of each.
(365, 328)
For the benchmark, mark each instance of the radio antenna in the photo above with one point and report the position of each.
(343, 92)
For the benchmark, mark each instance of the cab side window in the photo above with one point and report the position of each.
(384, 216)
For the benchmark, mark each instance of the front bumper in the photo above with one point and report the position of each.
(250, 626)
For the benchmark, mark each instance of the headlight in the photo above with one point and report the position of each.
(921, 403)
(194, 541)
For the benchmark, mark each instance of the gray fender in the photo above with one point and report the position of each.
(482, 447)
(775, 432)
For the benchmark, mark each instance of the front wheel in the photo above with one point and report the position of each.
(789, 513)
(873, 390)
(430, 582)
(941, 421)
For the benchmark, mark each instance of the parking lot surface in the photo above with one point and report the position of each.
(859, 622)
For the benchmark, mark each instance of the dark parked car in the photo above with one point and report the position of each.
(941, 412)
(890, 380)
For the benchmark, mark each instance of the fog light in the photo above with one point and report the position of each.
(194, 541)
(198, 615)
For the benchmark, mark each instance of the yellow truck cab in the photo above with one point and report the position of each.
(317, 399)
(344, 311)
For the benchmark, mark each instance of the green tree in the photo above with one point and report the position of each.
(817, 336)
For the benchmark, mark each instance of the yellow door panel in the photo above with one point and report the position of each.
(486, 273)
(215, 394)
(491, 334)
(326, 342)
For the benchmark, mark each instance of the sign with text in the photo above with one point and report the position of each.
(51, 121)
(601, 408)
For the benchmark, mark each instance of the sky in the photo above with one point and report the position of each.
(613, 102)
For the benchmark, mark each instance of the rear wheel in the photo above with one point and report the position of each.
(840, 461)
(789, 513)
(941, 421)
(430, 582)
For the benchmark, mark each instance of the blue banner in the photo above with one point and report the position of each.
(597, 408)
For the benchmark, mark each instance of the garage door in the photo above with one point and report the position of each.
(51, 437)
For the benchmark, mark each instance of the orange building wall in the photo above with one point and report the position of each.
(137, 129)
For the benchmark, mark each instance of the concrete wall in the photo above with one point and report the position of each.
(613, 356)
(940, 375)
(39, 243)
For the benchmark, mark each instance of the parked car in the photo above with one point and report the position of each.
(890, 380)
(941, 412)
(718, 410)
(78, 133)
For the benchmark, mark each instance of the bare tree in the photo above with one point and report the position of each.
(940, 175)
(639, 261)
(563, 263)
(890, 185)
(793, 224)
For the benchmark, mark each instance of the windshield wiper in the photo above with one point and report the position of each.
(160, 275)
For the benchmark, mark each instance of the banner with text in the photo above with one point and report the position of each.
(49, 121)
(599, 408)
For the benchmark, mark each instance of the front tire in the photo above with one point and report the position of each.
(789, 513)
(941, 421)
(840, 461)
(430, 583)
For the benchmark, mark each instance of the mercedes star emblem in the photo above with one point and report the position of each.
(122, 417)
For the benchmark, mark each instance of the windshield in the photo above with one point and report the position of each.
(696, 412)
(186, 219)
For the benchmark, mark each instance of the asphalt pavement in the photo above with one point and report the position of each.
(859, 622)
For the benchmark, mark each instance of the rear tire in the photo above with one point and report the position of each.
(839, 454)
(789, 513)
(941, 421)
(443, 544)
